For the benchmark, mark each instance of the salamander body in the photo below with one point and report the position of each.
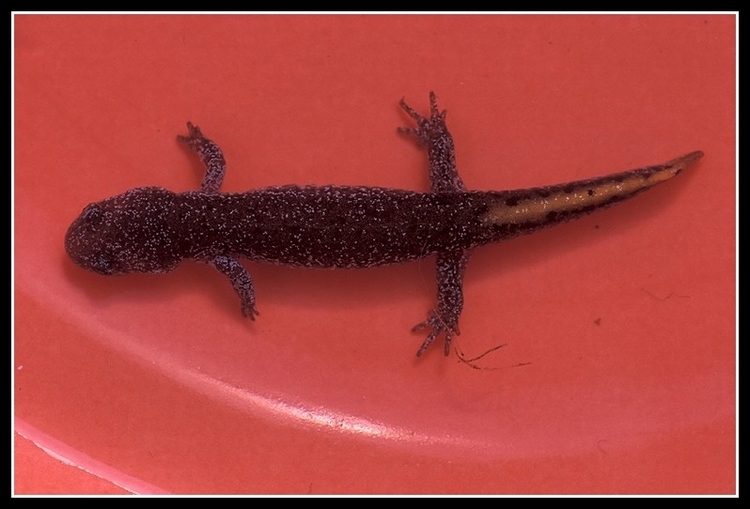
(152, 230)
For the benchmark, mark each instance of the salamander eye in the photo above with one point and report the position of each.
(92, 212)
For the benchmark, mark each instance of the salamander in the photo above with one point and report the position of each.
(152, 230)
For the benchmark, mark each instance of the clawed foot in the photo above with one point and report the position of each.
(249, 310)
(427, 127)
(194, 138)
(241, 282)
(244, 287)
(437, 327)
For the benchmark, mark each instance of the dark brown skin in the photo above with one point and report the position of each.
(152, 229)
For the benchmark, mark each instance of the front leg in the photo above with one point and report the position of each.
(241, 282)
(210, 154)
(450, 274)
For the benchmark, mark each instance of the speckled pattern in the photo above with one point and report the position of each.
(152, 229)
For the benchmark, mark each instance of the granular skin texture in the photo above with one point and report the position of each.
(152, 230)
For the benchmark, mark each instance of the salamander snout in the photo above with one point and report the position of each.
(132, 232)
(89, 244)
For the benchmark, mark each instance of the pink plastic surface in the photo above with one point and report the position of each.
(618, 374)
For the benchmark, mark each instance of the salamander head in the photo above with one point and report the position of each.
(131, 232)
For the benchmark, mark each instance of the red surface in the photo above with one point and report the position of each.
(623, 323)
(37, 471)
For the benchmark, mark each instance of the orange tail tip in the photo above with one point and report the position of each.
(680, 163)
